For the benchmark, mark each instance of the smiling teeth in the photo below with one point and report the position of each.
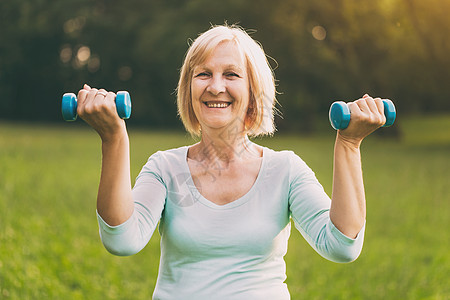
(217, 105)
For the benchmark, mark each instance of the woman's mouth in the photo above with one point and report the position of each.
(217, 104)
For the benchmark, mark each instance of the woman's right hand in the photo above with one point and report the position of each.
(98, 109)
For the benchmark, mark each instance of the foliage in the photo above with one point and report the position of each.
(50, 248)
(322, 50)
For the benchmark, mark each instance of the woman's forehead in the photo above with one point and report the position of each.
(226, 54)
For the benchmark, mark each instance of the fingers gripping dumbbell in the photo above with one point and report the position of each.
(69, 105)
(340, 114)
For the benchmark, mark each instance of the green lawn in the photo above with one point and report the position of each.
(50, 249)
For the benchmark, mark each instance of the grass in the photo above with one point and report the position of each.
(50, 249)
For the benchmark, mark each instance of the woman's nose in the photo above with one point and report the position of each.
(216, 85)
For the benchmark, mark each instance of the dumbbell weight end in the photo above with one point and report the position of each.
(69, 107)
(389, 112)
(123, 104)
(339, 115)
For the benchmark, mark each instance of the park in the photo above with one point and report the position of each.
(49, 169)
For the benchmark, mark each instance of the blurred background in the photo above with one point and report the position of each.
(322, 51)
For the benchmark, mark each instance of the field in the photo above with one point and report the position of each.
(50, 249)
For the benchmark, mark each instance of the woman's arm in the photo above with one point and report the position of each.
(310, 210)
(348, 206)
(114, 200)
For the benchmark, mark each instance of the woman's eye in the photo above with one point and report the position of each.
(232, 74)
(202, 74)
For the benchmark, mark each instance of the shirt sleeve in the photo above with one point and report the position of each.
(149, 194)
(309, 206)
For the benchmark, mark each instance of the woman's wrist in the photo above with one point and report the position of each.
(347, 142)
(114, 136)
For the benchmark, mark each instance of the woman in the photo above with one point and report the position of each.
(224, 204)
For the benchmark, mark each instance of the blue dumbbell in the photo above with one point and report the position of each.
(340, 114)
(69, 106)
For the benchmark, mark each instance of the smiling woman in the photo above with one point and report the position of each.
(224, 205)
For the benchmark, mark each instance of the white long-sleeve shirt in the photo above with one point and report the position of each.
(232, 251)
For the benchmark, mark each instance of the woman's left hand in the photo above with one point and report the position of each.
(367, 115)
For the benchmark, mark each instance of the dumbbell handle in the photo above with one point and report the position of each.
(69, 105)
(340, 114)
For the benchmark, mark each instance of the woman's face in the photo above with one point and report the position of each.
(220, 89)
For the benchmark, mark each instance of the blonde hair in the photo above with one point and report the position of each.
(260, 114)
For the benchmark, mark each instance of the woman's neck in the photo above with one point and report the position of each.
(224, 147)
